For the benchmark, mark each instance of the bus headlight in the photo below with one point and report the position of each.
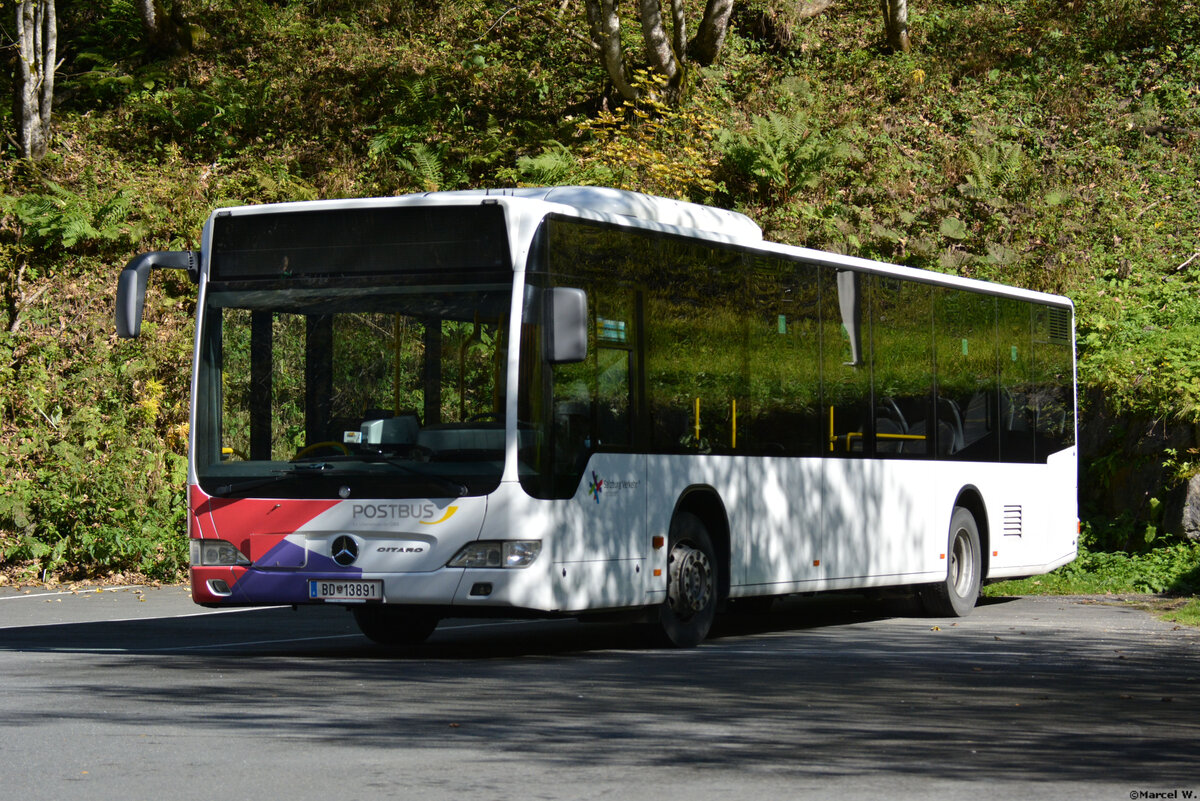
(215, 553)
(497, 553)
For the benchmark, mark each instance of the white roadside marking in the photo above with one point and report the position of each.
(144, 619)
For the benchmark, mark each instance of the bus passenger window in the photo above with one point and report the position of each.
(902, 348)
(967, 378)
(847, 373)
(785, 418)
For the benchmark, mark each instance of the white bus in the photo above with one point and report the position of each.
(574, 400)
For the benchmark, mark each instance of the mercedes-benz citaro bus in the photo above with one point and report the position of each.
(574, 400)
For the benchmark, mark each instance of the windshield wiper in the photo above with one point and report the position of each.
(323, 468)
(313, 469)
(459, 488)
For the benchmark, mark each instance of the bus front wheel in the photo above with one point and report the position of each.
(691, 605)
(956, 596)
(394, 626)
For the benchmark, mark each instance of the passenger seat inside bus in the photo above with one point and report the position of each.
(949, 427)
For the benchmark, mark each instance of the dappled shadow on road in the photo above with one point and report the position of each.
(812, 689)
(329, 632)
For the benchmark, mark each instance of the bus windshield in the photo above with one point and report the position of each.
(339, 392)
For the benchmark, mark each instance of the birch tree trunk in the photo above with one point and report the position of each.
(659, 53)
(37, 45)
(679, 33)
(606, 32)
(711, 37)
(895, 24)
(667, 53)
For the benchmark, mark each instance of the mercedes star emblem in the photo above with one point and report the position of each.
(344, 550)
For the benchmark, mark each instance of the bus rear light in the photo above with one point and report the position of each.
(497, 553)
(216, 553)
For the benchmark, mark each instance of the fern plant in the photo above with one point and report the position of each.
(64, 218)
(554, 165)
(424, 167)
(404, 126)
(781, 154)
(995, 173)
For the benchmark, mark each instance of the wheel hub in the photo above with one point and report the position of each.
(690, 588)
(962, 565)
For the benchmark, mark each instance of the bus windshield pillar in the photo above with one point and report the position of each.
(433, 371)
(318, 377)
(261, 350)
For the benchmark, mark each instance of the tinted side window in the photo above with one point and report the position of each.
(902, 345)
(696, 345)
(1052, 401)
(967, 388)
(785, 417)
(1017, 415)
(845, 365)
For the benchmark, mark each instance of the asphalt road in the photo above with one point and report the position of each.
(138, 694)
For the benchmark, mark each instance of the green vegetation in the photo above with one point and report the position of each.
(1043, 143)
(1170, 569)
(1112, 563)
(1172, 573)
(1186, 612)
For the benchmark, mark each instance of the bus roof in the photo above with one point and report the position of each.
(623, 203)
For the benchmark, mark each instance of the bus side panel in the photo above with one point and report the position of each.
(813, 524)
(601, 546)
(1033, 516)
(596, 553)
(879, 520)
(672, 477)
(785, 537)
(838, 523)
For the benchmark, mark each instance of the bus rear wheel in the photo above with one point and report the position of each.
(956, 596)
(687, 615)
(395, 626)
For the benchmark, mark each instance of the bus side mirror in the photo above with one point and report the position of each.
(131, 286)
(566, 325)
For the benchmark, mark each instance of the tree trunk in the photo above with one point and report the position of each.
(37, 45)
(162, 33)
(606, 32)
(658, 46)
(666, 53)
(711, 37)
(679, 33)
(895, 24)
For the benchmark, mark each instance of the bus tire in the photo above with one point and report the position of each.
(691, 605)
(394, 626)
(957, 594)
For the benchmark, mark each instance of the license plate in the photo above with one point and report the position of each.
(321, 590)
